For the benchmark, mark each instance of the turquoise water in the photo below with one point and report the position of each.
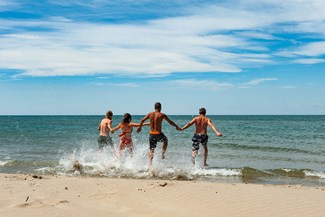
(258, 149)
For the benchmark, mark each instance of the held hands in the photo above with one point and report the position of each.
(139, 130)
(179, 129)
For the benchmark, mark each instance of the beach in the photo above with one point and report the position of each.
(36, 195)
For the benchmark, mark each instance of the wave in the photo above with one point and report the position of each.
(235, 146)
(106, 164)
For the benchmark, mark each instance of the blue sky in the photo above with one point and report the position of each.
(232, 57)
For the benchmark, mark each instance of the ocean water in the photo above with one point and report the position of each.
(253, 149)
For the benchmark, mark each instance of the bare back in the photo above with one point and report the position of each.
(103, 127)
(126, 130)
(156, 119)
(201, 124)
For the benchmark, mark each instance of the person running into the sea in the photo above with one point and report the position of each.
(126, 136)
(105, 127)
(200, 136)
(156, 135)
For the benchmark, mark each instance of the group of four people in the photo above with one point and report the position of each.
(155, 135)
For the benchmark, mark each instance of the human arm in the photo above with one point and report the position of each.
(109, 125)
(214, 128)
(188, 124)
(116, 128)
(137, 125)
(141, 123)
(171, 122)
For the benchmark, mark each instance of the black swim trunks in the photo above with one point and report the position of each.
(154, 138)
(197, 139)
(104, 141)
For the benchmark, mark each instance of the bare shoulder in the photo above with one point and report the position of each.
(208, 120)
(150, 114)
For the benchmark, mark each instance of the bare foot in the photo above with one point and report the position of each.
(206, 164)
(163, 157)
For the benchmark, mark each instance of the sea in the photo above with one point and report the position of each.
(267, 149)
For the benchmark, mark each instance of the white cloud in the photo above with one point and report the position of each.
(127, 84)
(201, 84)
(309, 61)
(289, 87)
(312, 49)
(7, 4)
(256, 82)
(198, 41)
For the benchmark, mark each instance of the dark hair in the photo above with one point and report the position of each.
(202, 111)
(127, 118)
(109, 114)
(158, 106)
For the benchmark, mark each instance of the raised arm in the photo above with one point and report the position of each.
(188, 124)
(171, 122)
(214, 128)
(141, 123)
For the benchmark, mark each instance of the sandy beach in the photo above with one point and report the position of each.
(28, 195)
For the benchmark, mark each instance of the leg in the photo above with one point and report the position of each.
(130, 149)
(205, 154)
(151, 153)
(164, 148)
(120, 148)
(194, 153)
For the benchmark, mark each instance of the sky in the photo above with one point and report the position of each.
(236, 57)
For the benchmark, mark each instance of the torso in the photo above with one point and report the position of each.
(201, 123)
(104, 130)
(156, 119)
(126, 131)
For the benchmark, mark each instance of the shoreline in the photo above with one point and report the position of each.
(28, 195)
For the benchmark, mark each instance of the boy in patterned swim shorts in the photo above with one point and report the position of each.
(200, 136)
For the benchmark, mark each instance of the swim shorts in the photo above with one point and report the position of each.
(154, 138)
(126, 141)
(104, 141)
(197, 139)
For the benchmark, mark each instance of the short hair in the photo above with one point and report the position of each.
(127, 118)
(202, 111)
(158, 105)
(109, 114)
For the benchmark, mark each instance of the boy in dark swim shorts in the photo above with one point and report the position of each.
(104, 141)
(154, 138)
(156, 119)
(200, 136)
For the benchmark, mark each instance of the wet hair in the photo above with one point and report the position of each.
(127, 118)
(202, 111)
(158, 106)
(109, 114)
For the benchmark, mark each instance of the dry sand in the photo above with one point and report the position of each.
(24, 195)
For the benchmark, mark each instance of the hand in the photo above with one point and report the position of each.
(179, 129)
(219, 134)
(139, 130)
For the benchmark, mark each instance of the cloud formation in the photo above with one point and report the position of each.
(215, 37)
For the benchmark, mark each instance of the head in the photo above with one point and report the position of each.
(109, 115)
(158, 106)
(202, 111)
(127, 118)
